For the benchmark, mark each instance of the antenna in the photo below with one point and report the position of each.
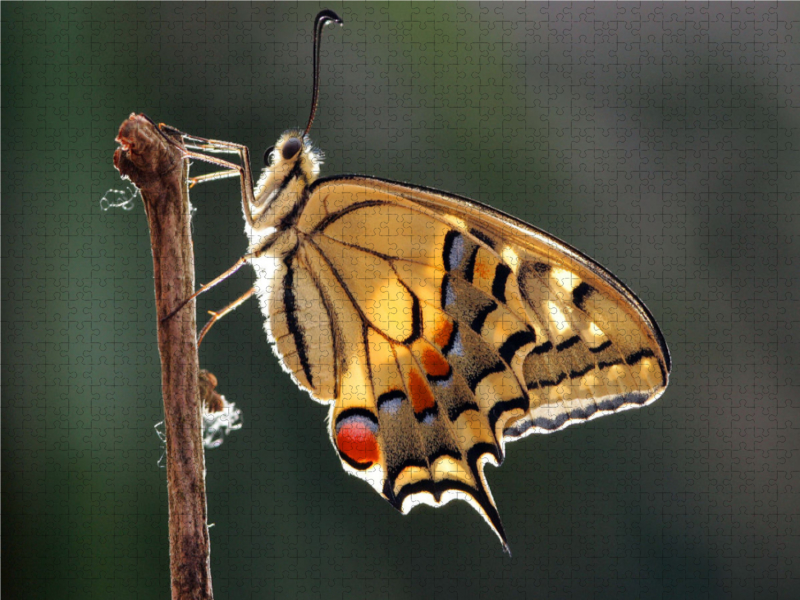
(323, 18)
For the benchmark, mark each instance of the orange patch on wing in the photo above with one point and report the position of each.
(434, 364)
(443, 332)
(483, 269)
(357, 441)
(421, 396)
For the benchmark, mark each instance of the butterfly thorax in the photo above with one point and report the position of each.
(281, 193)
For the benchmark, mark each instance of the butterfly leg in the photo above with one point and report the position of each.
(218, 279)
(242, 170)
(193, 181)
(192, 142)
(217, 315)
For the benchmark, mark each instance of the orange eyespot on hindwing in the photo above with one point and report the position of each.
(356, 438)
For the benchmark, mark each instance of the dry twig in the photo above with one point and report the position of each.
(157, 168)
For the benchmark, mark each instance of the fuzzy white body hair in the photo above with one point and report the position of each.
(282, 185)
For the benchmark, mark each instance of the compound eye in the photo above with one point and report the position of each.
(268, 157)
(291, 148)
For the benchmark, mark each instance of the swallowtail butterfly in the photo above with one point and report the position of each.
(436, 328)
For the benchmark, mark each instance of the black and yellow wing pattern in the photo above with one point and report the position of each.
(438, 329)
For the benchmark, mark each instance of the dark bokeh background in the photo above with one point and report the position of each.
(658, 138)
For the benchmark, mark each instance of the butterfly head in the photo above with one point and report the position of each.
(293, 149)
(292, 155)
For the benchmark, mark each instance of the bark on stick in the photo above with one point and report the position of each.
(157, 168)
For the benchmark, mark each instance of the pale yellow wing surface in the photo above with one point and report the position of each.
(441, 329)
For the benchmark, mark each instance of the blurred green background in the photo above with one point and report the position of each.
(659, 139)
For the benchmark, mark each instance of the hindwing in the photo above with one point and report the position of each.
(440, 329)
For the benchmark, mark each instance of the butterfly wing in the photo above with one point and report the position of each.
(440, 329)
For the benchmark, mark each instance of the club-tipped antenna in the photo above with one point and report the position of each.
(323, 18)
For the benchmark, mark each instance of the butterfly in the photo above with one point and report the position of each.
(436, 328)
